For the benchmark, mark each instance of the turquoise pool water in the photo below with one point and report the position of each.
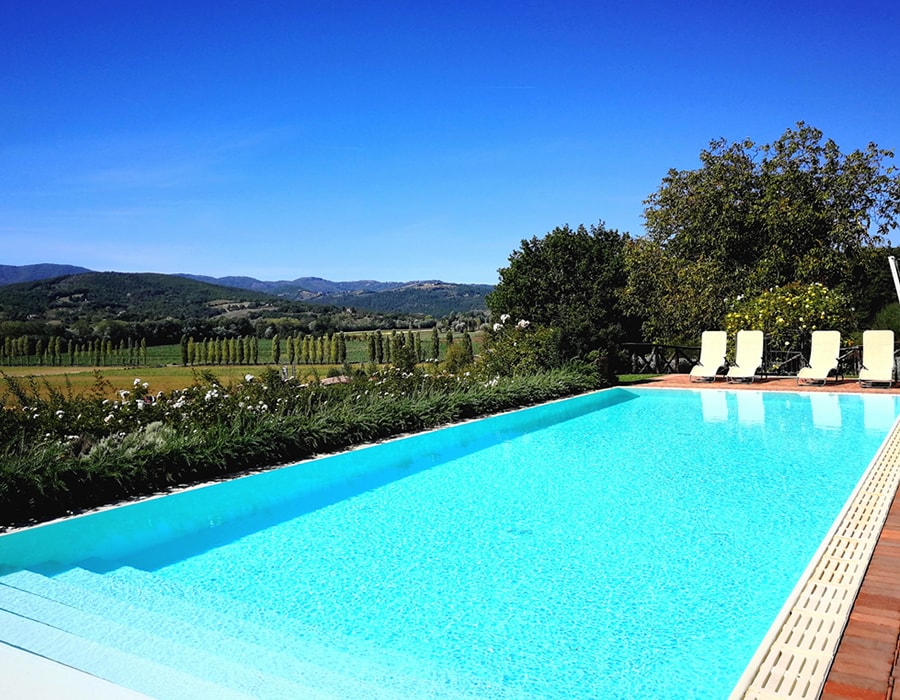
(629, 543)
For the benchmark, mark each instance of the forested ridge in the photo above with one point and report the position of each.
(161, 308)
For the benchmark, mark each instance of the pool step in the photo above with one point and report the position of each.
(387, 673)
(154, 613)
(214, 621)
(152, 662)
(38, 637)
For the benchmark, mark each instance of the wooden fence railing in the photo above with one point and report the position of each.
(654, 358)
(657, 358)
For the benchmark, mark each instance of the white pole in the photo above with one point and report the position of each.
(892, 261)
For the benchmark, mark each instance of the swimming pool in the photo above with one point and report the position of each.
(628, 543)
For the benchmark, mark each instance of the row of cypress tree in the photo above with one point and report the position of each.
(395, 347)
(57, 352)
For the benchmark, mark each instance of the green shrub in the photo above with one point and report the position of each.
(520, 348)
(458, 358)
(888, 319)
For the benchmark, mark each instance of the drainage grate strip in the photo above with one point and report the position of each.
(798, 658)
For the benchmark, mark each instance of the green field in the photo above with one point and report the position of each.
(109, 380)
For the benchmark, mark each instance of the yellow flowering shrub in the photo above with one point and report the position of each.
(789, 314)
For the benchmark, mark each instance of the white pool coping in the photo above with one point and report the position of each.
(27, 676)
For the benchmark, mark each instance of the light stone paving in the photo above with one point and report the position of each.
(27, 676)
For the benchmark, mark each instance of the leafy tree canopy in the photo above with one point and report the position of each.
(569, 280)
(753, 217)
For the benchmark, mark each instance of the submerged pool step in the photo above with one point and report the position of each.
(263, 641)
(148, 602)
(385, 673)
(56, 620)
(105, 662)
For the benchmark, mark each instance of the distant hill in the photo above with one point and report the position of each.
(49, 294)
(309, 285)
(434, 298)
(430, 297)
(13, 274)
(130, 296)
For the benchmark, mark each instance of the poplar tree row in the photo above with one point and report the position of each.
(310, 350)
(396, 347)
(220, 351)
(304, 350)
(57, 352)
(399, 347)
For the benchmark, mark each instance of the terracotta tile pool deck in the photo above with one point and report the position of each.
(866, 665)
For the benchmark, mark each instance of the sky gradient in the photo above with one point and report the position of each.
(396, 140)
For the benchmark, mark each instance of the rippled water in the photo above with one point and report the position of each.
(632, 543)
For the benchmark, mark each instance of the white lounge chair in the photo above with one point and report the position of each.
(877, 358)
(824, 358)
(712, 356)
(748, 354)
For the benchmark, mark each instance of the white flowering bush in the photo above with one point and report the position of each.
(518, 348)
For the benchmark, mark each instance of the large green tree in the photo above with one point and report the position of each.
(571, 280)
(754, 217)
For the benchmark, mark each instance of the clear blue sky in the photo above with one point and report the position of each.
(396, 140)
